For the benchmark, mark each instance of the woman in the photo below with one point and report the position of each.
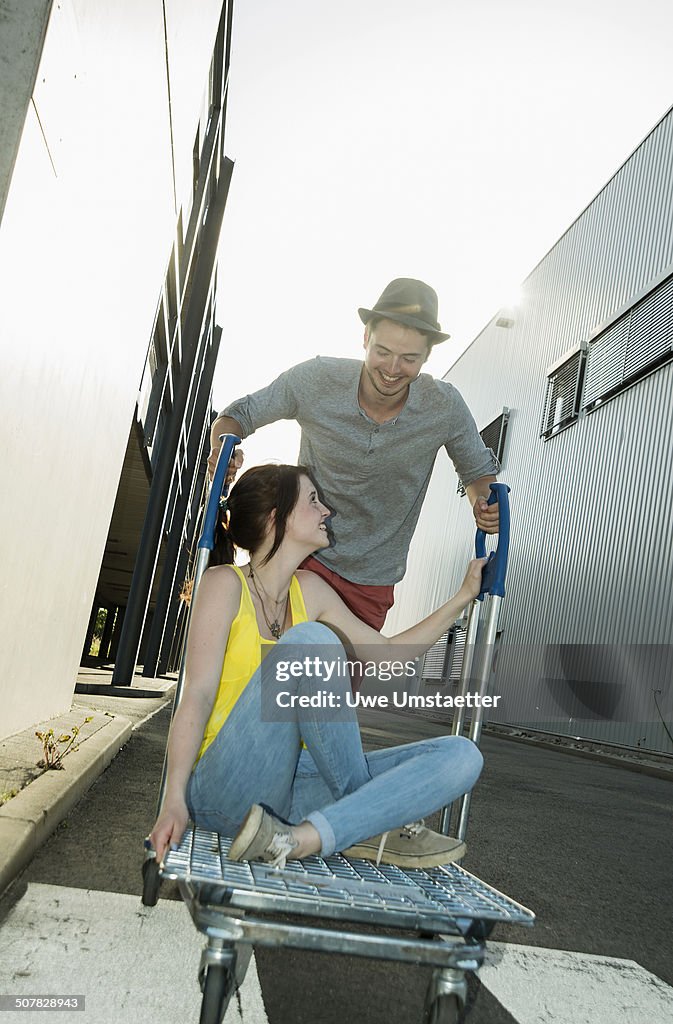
(245, 762)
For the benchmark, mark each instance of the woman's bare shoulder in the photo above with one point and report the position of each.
(317, 592)
(223, 575)
(310, 580)
(221, 581)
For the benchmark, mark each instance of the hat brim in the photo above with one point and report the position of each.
(402, 318)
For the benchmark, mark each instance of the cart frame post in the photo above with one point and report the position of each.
(458, 722)
(493, 587)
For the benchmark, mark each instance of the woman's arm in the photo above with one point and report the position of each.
(325, 605)
(215, 607)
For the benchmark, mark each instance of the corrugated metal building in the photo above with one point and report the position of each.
(578, 383)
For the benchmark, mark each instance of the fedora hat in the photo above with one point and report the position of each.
(409, 302)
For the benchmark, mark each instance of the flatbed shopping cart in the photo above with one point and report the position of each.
(441, 916)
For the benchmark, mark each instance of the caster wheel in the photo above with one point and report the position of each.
(151, 882)
(444, 1010)
(218, 984)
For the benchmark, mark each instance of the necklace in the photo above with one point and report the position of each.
(275, 627)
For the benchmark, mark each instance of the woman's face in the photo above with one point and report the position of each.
(306, 522)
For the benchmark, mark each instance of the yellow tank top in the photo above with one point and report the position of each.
(243, 655)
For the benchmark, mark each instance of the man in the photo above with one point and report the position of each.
(370, 434)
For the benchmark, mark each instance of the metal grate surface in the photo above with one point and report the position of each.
(339, 887)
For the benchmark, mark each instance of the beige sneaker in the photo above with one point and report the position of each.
(412, 846)
(263, 837)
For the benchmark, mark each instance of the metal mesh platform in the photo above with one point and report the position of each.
(443, 899)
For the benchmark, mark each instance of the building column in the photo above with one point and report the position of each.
(195, 445)
(172, 642)
(141, 583)
(171, 631)
(116, 633)
(89, 630)
(107, 632)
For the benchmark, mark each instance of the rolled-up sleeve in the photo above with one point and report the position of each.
(277, 401)
(466, 449)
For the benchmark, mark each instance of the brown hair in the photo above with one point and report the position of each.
(259, 492)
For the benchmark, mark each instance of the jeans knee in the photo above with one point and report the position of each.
(472, 756)
(466, 755)
(310, 633)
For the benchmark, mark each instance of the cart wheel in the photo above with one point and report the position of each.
(444, 1010)
(151, 882)
(218, 984)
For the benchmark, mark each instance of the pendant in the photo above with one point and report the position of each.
(276, 629)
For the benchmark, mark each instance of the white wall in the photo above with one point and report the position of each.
(23, 26)
(84, 243)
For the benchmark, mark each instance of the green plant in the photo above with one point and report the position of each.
(55, 748)
(6, 795)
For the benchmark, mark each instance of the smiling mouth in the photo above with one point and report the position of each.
(389, 380)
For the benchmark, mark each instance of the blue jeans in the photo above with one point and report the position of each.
(345, 794)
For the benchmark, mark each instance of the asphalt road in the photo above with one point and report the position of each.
(585, 845)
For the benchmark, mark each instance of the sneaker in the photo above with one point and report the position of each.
(262, 836)
(412, 846)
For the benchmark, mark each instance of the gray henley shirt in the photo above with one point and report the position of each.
(372, 475)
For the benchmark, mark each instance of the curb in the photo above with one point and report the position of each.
(32, 815)
(98, 689)
(630, 764)
(568, 745)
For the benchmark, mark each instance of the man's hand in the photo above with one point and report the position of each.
(234, 465)
(486, 516)
(224, 425)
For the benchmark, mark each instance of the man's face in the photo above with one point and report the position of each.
(394, 356)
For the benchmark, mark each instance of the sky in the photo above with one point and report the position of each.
(449, 141)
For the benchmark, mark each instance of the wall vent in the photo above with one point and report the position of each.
(564, 389)
(493, 435)
(631, 347)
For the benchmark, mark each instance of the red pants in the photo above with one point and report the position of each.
(369, 603)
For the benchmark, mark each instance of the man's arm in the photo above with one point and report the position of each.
(280, 400)
(470, 456)
(485, 515)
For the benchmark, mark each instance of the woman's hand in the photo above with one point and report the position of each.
(471, 585)
(169, 826)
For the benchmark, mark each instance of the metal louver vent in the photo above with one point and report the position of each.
(607, 355)
(634, 345)
(457, 653)
(444, 660)
(493, 435)
(650, 330)
(562, 398)
(434, 662)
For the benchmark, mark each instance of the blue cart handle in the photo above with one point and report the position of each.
(495, 570)
(218, 490)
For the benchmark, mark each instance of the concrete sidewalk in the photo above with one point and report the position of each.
(36, 800)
